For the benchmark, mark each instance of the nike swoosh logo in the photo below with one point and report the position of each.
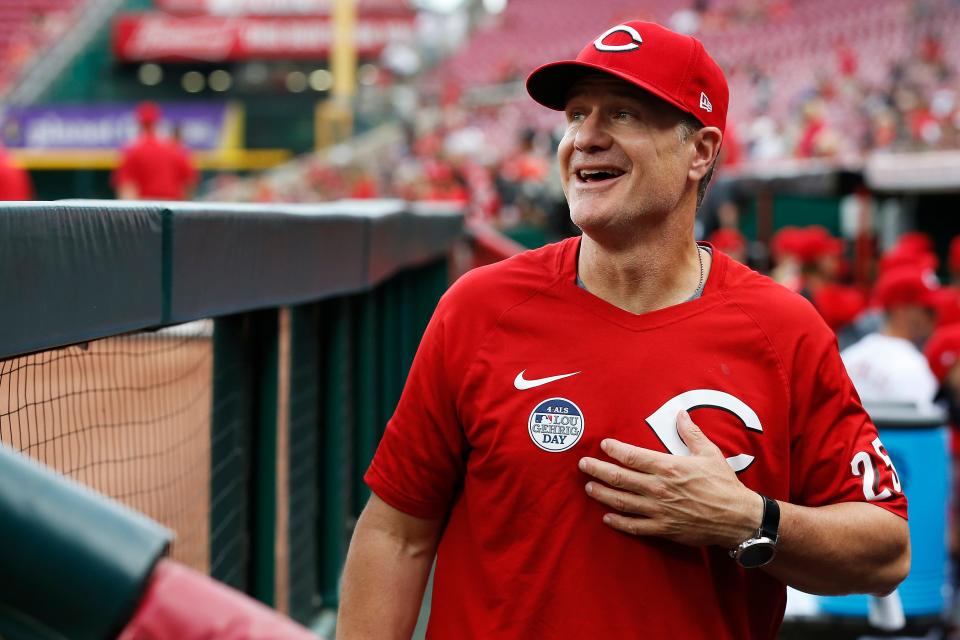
(522, 383)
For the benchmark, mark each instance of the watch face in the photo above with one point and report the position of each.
(757, 554)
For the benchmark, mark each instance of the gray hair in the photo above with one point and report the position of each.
(687, 127)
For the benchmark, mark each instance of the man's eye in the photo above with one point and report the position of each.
(623, 115)
(575, 115)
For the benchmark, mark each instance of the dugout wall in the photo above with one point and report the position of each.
(225, 369)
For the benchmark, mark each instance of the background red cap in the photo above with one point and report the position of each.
(903, 257)
(942, 350)
(148, 112)
(727, 240)
(787, 241)
(839, 305)
(674, 67)
(906, 285)
(815, 242)
(916, 241)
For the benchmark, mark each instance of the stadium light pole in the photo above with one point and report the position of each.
(334, 117)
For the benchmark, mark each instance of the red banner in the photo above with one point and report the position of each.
(159, 37)
(274, 7)
(244, 7)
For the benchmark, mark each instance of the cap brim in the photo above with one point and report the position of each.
(550, 84)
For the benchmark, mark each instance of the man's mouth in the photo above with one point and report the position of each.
(598, 175)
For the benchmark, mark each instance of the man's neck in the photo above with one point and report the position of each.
(653, 273)
(895, 329)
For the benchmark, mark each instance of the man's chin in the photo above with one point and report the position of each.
(597, 220)
(592, 218)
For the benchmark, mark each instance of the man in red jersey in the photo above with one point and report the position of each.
(543, 446)
(154, 168)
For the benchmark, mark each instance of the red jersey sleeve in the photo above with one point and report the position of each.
(419, 464)
(836, 453)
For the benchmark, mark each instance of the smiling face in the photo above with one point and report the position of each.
(622, 160)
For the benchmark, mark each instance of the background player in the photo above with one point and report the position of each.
(153, 167)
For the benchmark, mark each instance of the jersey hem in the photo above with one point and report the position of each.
(397, 499)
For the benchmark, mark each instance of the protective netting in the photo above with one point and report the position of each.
(128, 416)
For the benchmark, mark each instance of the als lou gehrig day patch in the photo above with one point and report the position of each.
(556, 424)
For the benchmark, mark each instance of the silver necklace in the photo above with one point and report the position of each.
(699, 290)
(696, 293)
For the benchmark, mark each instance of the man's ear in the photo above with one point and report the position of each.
(706, 147)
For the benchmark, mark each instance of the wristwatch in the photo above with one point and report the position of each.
(760, 549)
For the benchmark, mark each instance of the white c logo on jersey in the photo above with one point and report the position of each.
(663, 421)
(635, 39)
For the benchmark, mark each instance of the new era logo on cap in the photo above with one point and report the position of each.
(705, 103)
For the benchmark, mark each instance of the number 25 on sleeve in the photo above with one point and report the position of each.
(862, 464)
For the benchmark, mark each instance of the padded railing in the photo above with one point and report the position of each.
(317, 312)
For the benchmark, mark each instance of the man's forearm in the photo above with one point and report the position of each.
(853, 547)
(383, 583)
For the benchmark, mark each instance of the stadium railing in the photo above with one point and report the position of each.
(224, 369)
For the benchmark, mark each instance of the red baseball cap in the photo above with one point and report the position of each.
(901, 257)
(915, 241)
(943, 350)
(815, 242)
(839, 305)
(727, 240)
(674, 67)
(788, 241)
(148, 112)
(906, 285)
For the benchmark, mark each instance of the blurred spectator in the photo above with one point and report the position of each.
(840, 305)
(445, 184)
(817, 138)
(364, 186)
(15, 182)
(786, 247)
(948, 306)
(731, 242)
(908, 255)
(888, 366)
(820, 256)
(521, 180)
(152, 167)
(915, 241)
(943, 353)
(846, 59)
(687, 20)
(953, 262)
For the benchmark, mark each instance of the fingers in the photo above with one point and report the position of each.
(622, 501)
(695, 439)
(618, 477)
(633, 526)
(638, 458)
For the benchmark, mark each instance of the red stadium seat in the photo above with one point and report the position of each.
(184, 604)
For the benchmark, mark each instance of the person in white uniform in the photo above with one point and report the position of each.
(888, 366)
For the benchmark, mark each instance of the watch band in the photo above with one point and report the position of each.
(770, 524)
(760, 549)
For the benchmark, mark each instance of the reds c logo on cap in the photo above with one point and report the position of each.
(635, 39)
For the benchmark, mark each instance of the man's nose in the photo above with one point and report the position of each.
(592, 134)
